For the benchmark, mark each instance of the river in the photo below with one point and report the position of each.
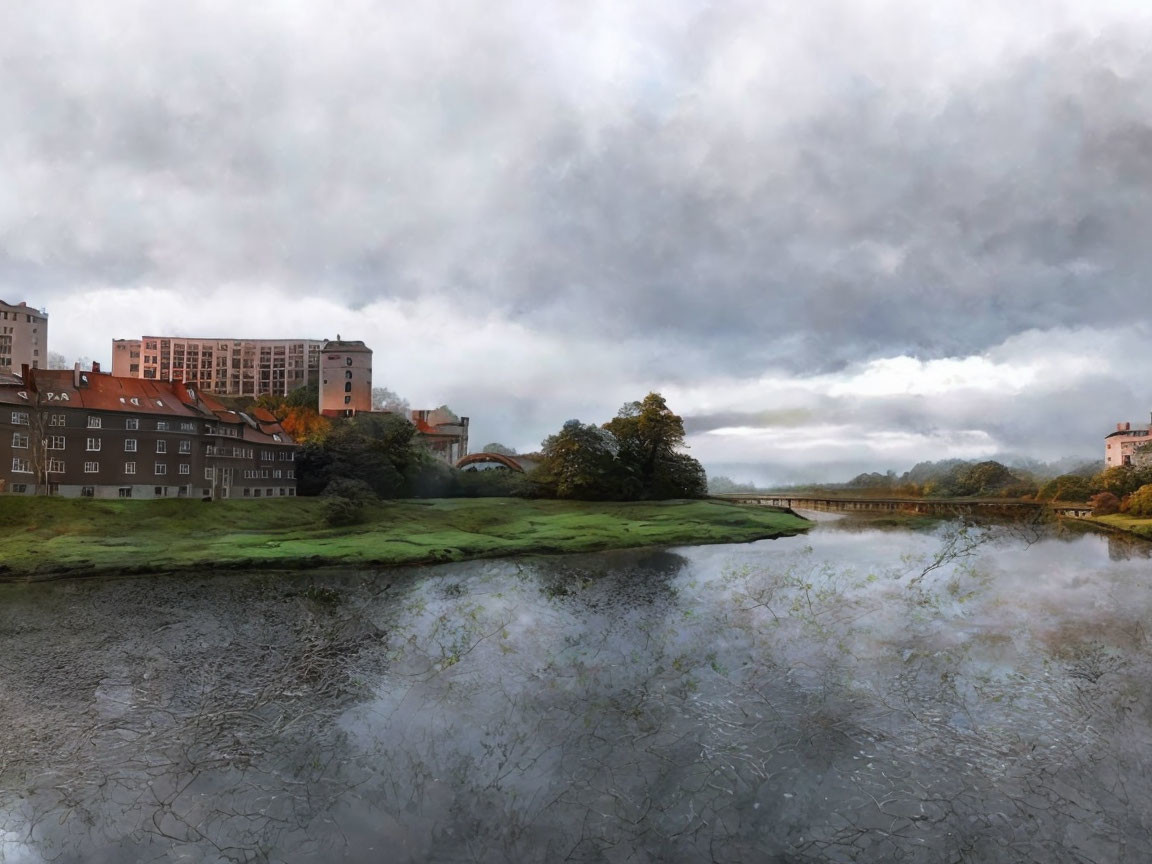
(856, 694)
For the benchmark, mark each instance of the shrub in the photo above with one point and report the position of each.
(1140, 501)
(1104, 504)
(345, 501)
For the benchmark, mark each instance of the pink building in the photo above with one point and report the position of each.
(1120, 445)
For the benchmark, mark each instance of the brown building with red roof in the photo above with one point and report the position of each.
(80, 433)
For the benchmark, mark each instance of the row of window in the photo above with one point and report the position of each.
(21, 418)
(20, 441)
(265, 473)
(21, 465)
(158, 491)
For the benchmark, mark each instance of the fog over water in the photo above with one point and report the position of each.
(857, 694)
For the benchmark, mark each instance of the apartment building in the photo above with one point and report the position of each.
(81, 433)
(23, 337)
(229, 367)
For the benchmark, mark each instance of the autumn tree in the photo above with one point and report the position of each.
(650, 437)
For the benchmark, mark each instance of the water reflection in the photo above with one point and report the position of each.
(860, 694)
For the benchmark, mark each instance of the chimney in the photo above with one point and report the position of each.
(24, 372)
(76, 375)
(95, 368)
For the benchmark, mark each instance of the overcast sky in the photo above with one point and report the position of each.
(838, 236)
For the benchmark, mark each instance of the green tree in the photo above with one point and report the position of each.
(1140, 501)
(1066, 487)
(381, 450)
(649, 436)
(496, 447)
(580, 461)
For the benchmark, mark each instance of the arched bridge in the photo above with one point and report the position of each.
(493, 459)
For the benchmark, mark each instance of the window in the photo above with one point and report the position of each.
(129, 467)
(21, 466)
(19, 418)
(93, 422)
(160, 491)
(255, 493)
(125, 491)
(57, 420)
(291, 491)
(19, 442)
(20, 487)
(87, 491)
(185, 469)
(56, 442)
(55, 466)
(347, 386)
(129, 445)
(276, 475)
(291, 475)
(161, 469)
(91, 467)
(185, 446)
(187, 427)
(209, 473)
(247, 492)
(348, 374)
(161, 446)
(347, 400)
(132, 423)
(347, 361)
(93, 444)
(161, 425)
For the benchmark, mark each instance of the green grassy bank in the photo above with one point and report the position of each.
(49, 537)
(1121, 522)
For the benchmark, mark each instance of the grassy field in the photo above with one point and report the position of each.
(46, 537)
(1121, 522)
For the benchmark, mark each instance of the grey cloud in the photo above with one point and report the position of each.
(676, 176)
(382, 155)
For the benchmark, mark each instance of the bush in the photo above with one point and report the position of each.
(1104, 504)
(346, 501)
(1140, 501)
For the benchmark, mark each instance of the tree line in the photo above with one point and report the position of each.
(637, 455)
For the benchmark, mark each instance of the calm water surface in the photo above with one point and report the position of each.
(853, 695)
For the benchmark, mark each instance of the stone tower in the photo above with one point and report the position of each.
(345, 378)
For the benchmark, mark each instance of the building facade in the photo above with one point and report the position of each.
(1120, 446)
(80, 433)
(443, 433)
(230, 367)
(345, 378)
(23, 337)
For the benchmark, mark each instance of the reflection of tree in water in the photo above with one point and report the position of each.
(634, 707)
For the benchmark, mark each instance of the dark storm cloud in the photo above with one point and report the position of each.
(377, 151)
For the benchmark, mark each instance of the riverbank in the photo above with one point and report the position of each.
(46, 538)
(1122, 522)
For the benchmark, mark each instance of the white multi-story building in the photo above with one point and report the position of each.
(23, 337)
(230, 367)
